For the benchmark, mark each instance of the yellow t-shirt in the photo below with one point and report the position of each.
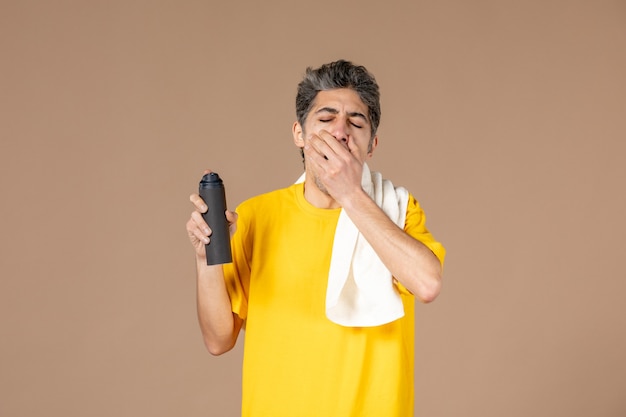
(297, 363)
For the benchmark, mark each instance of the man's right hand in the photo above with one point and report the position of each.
(198, 230)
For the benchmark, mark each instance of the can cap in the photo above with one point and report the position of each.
(211, 180)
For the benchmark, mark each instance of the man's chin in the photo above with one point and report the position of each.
(321, 186)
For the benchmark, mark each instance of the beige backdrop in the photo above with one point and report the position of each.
(507, 119)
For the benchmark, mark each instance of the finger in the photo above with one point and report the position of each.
(318, 149)
(200, 225)
(198, 202)
(331, 147)
(231, 216)
(337, 145)
(197, 233)
(322, 143)
(353, 147)
(314, 156)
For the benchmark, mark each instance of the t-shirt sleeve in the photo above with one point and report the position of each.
(415, 226)
(237, 273)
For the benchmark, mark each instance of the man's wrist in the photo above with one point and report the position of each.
(355, 200)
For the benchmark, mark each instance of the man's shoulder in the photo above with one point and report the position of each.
(270, 198)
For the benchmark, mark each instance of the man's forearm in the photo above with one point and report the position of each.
(219, 326)
(413, 264)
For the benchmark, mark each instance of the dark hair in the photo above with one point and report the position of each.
(339, 74)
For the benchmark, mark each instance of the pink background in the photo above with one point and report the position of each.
(506, 119)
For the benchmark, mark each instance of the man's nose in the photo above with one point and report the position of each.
(341, 131)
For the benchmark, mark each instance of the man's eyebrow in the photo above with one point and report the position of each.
(357, 114)
(332, 110)
(327, 110)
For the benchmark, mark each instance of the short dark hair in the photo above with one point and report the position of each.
(339, 74)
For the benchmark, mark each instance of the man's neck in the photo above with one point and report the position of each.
(317, 197)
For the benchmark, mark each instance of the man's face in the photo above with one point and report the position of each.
(342, 113)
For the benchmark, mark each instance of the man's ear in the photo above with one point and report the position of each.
(298, 134)
(373, 146)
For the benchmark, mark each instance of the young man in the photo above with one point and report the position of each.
(325, 271)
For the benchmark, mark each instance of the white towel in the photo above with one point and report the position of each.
(360, 290)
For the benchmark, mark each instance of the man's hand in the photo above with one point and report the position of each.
(336, 164)
(198, 230)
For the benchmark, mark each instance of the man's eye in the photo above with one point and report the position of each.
(325, 120)
(356, 125)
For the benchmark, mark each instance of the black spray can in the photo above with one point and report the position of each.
(213, 194)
